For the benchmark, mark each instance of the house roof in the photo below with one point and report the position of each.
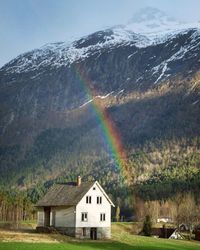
(68, 194)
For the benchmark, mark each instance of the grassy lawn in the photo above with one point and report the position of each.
(125, 243)
(121, 240)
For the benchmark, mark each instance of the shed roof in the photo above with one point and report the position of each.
(67, 194)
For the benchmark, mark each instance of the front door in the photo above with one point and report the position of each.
(93, 233)
(47, 211)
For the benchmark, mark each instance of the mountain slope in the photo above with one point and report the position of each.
(148, 83)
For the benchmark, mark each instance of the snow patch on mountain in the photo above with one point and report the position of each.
(180, 54)
(148, 27)
(96, 97)
(86, 103)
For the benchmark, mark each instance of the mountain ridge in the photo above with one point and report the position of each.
(132, 33)
(149, 87)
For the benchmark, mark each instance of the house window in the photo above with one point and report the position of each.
(102, 217)
(84, 216)
(88, 199)
(94, 188)
(84, 231)
(99, 200)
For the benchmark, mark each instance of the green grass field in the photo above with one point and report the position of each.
(125, 243)
(122, 240)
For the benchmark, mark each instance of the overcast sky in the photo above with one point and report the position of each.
(29, 24)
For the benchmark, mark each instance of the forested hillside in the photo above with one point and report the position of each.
(149, 89)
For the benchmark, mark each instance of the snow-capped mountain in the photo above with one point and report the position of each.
(149, 26)
(145, 73)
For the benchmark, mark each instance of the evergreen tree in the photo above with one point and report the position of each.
(147, 226)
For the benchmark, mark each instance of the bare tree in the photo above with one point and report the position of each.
(189, 212)
(117, 216)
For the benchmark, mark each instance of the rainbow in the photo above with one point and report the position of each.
(108, 128)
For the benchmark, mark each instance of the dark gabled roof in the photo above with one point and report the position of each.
(64, 194)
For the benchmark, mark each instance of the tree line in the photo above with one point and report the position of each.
(15, 206)
(182, 208)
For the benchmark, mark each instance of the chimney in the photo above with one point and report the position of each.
(78, 181)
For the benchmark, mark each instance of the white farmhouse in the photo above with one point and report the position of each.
(78, 209)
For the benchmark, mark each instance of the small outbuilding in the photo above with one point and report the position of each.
(184, 227)
(176, 235)
(165, 220)
(81, 210)
(197, 234)
(167, 233)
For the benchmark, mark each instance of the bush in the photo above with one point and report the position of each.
(147, 226)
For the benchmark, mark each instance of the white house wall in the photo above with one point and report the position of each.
(94, 210)
(64, 217)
